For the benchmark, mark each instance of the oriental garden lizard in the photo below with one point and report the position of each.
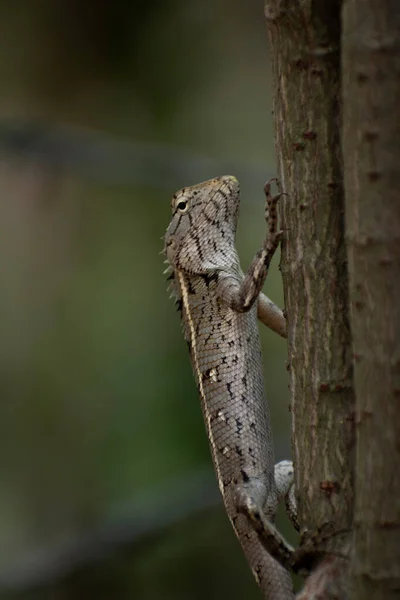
(219, 306)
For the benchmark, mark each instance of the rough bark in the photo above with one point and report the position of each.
(305, 47)
(371, 149)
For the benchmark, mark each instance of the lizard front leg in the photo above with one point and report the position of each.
(240, 296)
(271, 315)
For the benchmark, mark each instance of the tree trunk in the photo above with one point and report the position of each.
(305, 45)
(371, 149)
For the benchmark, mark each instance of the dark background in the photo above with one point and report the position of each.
(106, 109)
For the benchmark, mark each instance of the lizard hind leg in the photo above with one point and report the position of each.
(284, 481)
(249, 500)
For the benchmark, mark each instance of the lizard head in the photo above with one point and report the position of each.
(201, 235)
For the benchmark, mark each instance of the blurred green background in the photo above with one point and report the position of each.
(106, 109)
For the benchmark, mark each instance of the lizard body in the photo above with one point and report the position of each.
(219, 306)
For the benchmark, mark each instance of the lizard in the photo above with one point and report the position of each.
(219, 307)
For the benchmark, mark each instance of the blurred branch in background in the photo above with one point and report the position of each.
(132, 523)
(104, 158)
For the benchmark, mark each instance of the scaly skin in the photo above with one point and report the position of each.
(219, 306)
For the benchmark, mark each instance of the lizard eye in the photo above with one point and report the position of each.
(182, 206)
